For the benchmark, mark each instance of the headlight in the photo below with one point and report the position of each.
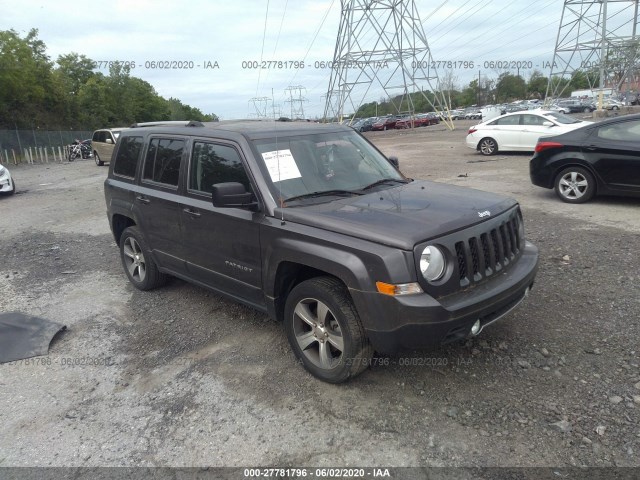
(432, 263)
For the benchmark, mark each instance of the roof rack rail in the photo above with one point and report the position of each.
(182, 123)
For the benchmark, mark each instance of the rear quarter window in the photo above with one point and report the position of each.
(127, 156)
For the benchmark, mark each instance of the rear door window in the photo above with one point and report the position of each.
(510, 120)
(162, 163)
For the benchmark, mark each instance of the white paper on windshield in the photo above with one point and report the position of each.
(281, 165)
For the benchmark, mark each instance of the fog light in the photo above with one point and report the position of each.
(475, 329)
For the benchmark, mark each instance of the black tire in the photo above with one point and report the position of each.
(137, 262)
(97, 159)
(575, 185)
(316, 338)
(615, 107)
(587, 110)
(488, 146)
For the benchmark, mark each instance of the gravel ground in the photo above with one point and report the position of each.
(182, 377)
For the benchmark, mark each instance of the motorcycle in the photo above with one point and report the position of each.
(79, 149)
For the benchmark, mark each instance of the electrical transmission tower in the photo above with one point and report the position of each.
(597, 44)
(260, 107)
(296, 99)
(382, 50)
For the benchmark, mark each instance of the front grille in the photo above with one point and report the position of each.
(483, 255)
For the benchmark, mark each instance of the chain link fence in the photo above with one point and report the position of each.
(37, 146)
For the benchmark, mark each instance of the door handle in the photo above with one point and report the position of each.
(193, 213)
(142, 199)
(591, 147)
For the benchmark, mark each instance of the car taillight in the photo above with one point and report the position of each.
(472, 130)
(540, 146)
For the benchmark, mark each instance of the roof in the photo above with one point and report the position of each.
(252, 129)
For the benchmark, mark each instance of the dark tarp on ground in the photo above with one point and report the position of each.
(24, 336)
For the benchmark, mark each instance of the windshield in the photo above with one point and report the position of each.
(562, 118)
(309, 165)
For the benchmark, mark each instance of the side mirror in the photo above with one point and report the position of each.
(231, 195)
(108, 140)
(394, 161)
(547, 124)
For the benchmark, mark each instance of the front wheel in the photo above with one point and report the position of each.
(325, 331)
(136, 259)
(615, 107)
(97, 159)
(488, 146)
(575, 185)
(587, 110)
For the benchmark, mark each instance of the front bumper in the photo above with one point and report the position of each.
(418, 321)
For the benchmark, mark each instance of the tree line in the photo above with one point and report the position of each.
(506, 88)
(69, 94)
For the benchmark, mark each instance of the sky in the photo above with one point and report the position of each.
(217, 42)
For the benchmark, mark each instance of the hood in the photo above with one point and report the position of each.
(402, 216)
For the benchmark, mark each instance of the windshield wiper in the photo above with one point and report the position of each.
(383, 181)
(322, 193)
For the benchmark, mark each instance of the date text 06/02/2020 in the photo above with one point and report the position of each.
(161, 64)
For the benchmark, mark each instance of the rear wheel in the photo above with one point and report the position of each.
(97, 159)
(325, 331)
(615, 107)
(575, 185)
(136, 259)
(488, 146)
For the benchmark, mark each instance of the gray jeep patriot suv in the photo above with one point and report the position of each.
(314, 226)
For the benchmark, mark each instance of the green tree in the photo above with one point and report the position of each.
(510, 87)
(537, 85)
(26, 93)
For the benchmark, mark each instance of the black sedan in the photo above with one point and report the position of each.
(602, 158)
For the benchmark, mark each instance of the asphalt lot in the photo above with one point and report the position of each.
(183, 377)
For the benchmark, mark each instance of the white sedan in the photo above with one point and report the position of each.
(6, 182)
(519, 131)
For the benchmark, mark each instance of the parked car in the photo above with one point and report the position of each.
(611, 104)
(7, 185)
(364, 125)
(408, 122)
(519, 131)
(601, 158)
(385, 123)
(473, 114)
(574, 106)
(426, 119)
(102, 143)
(311, 224)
